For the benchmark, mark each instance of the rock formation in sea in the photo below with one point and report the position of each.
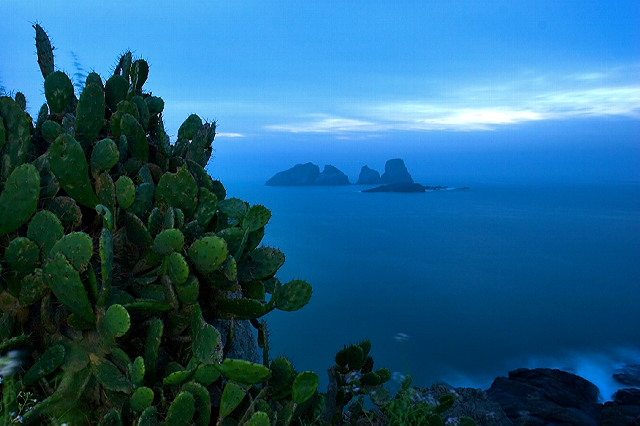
(308, 174)
(398, 187)
(395, 172)
(368, 176)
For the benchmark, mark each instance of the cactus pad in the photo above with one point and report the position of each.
(243, 371)
(68, 163)
(141, 398)
(208, 254)
(104, 155)
(19, 199)
(293, 295)
(116, 321)
(45, 229)
(46, 364)
(178, 190)
(90, 114)
(257, 217)
(168, 241)
(65, 283)
(232, 396)
(58, 89)
(181, 410)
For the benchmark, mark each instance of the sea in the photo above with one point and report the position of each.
(463, 285)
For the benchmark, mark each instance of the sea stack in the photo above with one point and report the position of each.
(395, 172)
(368, 176)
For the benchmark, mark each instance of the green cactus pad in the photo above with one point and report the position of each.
(109, 376)
(203, 178)
(178, 377)
(206, 374)
(139, 73)
(206, 339)
(67, 210)
(17, 129)
(33, 288)
(104, 155)
(149, 417)
(243, 371)
(190, 127)
(51, 359)
(143, 111)
(178, 190)
(137, 233)
(257, 217)
(105, 190)
(69, 165)
(141, 398)
(155, 104)
(90, 114)
(208, 254)
(199, 149)
(233, 207)
(19, 199)
(177, 268)
(136, 137)
(282, 378)
(51, 130)
(115, 90)
(22, 255)
(116, 321)
(203, 402)
(207, 206)
(305, 387)
(351, 357)
(152, 344)
(168, 241)
(94, 78)
(181, 410)
(64, 280)
(261, 263)
(125, 191)
(258, 419)
(58, 89)
(76, 247)
(293, 295)
(169, 219)
(45, 229)
(137, 370)
(232, 396)
(44, 51)
(3, 134)
(241, 308)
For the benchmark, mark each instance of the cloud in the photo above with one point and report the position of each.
(488, 107)
(229, 135)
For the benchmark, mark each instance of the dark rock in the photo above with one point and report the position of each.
(398, 187)
(368, 176)
(470, 402)
(629, 375)
(331, 176)
(624, 410)
(395, 172)
(545, 396)
(300, 174)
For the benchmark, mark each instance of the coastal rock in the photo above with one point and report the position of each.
(470, 402)
(331, 176)
(624, 410)
(300, 174)
(629, 375)
(395, 172)
(543, 396)
(368, 176)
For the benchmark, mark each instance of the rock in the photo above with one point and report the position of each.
(398, 187)
(629, 375)
(624, 410)
(545, 396)
(368, 176)
(395, 172)
(300, 174)
(474, 403)
(332, 176)
(308, 174)
(245, 339)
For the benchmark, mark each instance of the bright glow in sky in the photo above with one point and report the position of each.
(351, 69)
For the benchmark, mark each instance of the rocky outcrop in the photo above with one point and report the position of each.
(545, 396)
(368, 176)
(300, 174)
(308, 174)
(398, 187)
(628, 375)
(331, 176)
(395, 172)
(623, 410)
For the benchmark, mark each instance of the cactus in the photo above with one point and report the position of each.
(104, 155)
(90, 112)
(182, 410)
(58, 89)
(16, 141)
(44, 50)
(208, 254)
(19, 199)
(244, 371)
(232, 396)
(293, 295)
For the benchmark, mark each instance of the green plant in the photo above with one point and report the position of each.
(117, 252)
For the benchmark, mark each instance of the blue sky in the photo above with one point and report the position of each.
(322, 80)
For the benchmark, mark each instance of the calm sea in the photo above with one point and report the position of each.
(460, 286)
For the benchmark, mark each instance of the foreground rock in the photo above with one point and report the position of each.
(623, 410)
(545, 396)
(308, 174)
(395, 172)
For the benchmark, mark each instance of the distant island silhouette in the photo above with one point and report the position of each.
(396, 178)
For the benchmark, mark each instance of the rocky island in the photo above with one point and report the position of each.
(308, 174)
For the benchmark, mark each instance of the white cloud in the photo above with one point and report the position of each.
(571, 96)
(229, 135)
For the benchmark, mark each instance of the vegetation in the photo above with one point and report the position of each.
(118, 251)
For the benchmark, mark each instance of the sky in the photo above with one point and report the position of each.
(458, 88)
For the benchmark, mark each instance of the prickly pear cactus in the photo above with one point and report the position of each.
(117, 253)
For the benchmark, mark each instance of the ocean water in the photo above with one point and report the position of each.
(460, 286)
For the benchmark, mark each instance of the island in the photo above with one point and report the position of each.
(309, 174)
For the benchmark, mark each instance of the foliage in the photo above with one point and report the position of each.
(117, 252)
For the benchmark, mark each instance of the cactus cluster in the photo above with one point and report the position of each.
(117, 252)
